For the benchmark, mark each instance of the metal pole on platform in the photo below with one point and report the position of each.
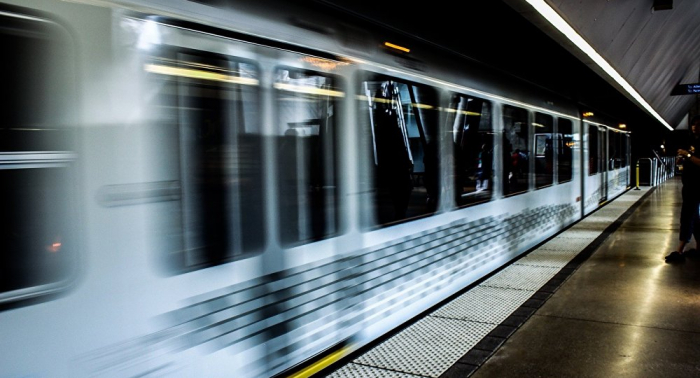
(637, 187)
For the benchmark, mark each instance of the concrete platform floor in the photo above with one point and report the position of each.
(624, 312)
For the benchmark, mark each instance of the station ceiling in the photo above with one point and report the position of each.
(654, 45)
(654, 50)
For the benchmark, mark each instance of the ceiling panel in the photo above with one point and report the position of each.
(653, 50)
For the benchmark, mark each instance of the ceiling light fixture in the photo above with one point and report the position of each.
(553, 17)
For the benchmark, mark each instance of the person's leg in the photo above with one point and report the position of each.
(686, 231)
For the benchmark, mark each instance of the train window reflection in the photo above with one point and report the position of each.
(34, 103)
(516, 150)
(38, 251)
(614, 151)
(470, 127)
(565, 148)
(401, 140)
(543, 129)
(624, 146)
(307, 114)
(594, 150)
(37, 243)
(210, 109)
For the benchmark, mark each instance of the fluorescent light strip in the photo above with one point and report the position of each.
(308, 90)
(553, 17)
(198, 74)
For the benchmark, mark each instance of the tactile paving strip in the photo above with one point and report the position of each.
(522, 277)
(574, 233)
(352, 370)
(484, 304)
(549, 258)
(566, 244)
(429, 347)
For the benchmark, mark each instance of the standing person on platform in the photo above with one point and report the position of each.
(690, 216)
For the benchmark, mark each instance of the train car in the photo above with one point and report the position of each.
(240, 189)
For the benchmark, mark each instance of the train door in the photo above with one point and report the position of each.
(594, 177)
(617, 165)
(603, 158)
(627, 157)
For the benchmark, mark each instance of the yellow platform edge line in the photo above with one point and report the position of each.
(321, 364)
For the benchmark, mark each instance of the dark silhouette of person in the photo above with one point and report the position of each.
(690, 219)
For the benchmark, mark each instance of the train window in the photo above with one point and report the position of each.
(38, 208)
(614, 157)
(401, 140)
(516, 150)
(470, 127)
(624, 146)
(307, 116)
(544, 149)
(565, 147)
(210, 107)
(593, 150)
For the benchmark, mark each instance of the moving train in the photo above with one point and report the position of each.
(241, 189)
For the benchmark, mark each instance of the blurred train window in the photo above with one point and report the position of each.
(38, 246)
(307, 116)
(624, 145)
(565, 148)
(470, 127)
(400, 140)
(614, 150)
(516, 150)
(34, 103)
(37, 205)
(210, 107)
(594, 150)
(544, 149)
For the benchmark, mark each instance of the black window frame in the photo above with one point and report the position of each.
(227, 250)
(372, 219)
(339, 111)
(475, 164)
(509, 177)
(45, 151)
(563, 146)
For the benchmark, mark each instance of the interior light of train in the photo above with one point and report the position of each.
(55, 247)
(208, 67)
(537, 124)
(308, 90)
(324, 64)
(588, 114)
(558, 22)
(198, 74)
(623, 126)
(465, 112)
(396, 47)
(375, 99)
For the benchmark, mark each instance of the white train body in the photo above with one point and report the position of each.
(202, 190)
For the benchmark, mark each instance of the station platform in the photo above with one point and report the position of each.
(596, 300)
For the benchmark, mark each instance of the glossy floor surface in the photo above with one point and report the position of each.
(624, 312)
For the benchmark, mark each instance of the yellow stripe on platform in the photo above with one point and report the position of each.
(321, 364)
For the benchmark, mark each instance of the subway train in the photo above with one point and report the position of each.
(254, 189)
